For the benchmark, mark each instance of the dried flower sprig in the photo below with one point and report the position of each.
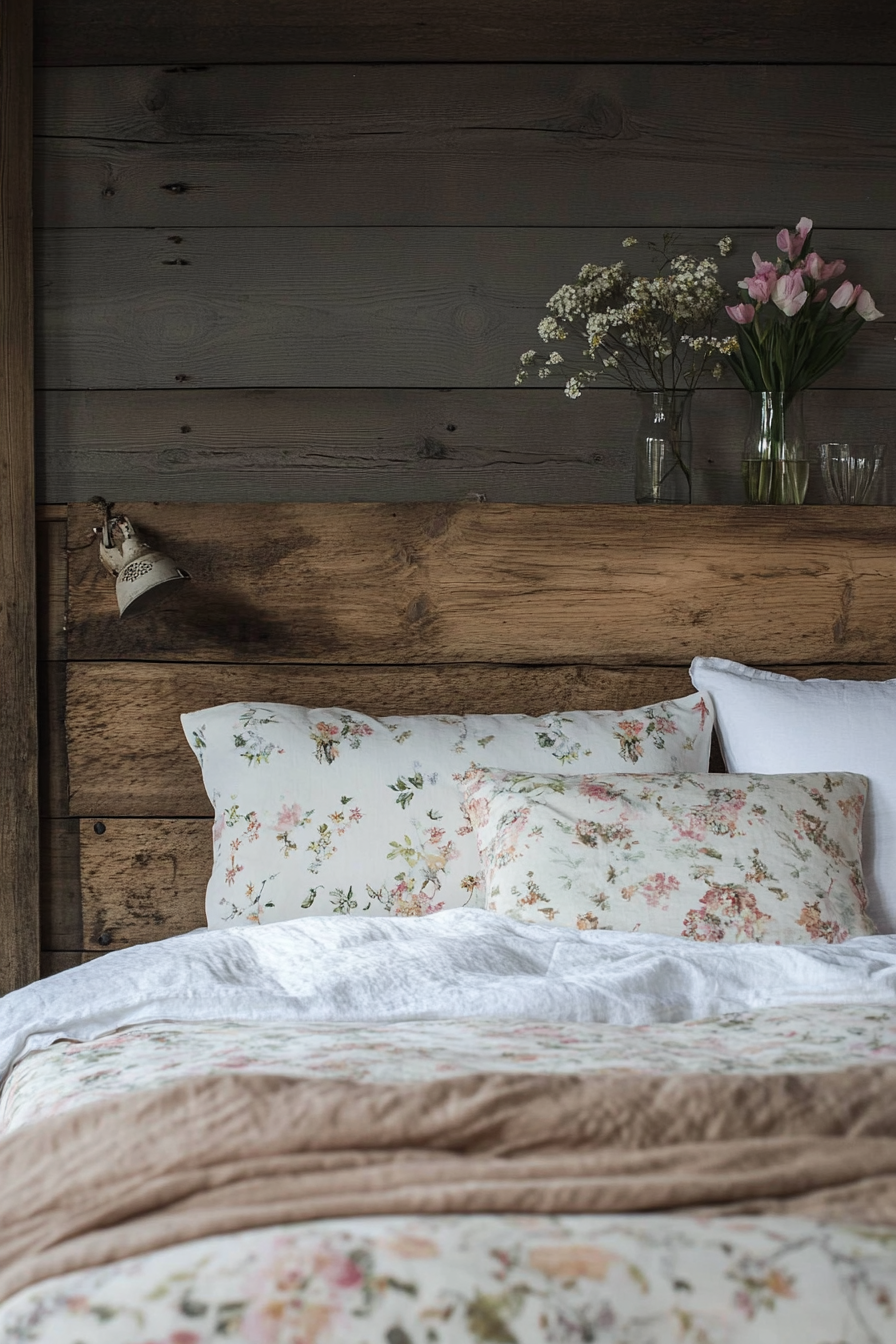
(792, 332)
(645, 332)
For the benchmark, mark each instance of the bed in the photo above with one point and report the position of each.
(463, 1127)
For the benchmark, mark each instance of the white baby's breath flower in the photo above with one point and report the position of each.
(717, 371)
(724, 245)
(565, 303)
(635, 327)
(521, 376)
(549, 329)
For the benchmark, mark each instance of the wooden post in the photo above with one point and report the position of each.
(19, 912)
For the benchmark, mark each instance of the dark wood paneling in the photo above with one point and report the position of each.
(142, 881)
(518, 445)
(412, 307)
(52, 760)
(52, 580)
(149, 770)
(413, 583)
(60, 884)
(499, 145)
(19, 940)
(51, 963)
(178, 32)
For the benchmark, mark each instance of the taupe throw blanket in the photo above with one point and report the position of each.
(225, 1153)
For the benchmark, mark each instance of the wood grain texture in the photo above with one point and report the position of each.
(149, 770)
(332, 307)
(61, 923)
(177, 32)
(19, 905)
(51, 963)
(52, 586)
(511, 445)
(585, 145)
(142, 881)
(53, 786)
(543, 584)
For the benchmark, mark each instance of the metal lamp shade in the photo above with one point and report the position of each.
(145, 581)
(143, 575)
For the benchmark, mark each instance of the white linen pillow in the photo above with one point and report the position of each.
(772, 723)
(323, 811)
(715, 858)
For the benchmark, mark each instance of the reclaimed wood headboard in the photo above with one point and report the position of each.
(410, 608)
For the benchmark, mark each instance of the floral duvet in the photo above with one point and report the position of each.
(620, 1279)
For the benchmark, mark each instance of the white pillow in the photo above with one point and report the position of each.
(327, 811)
(716, 858)
(771, 724)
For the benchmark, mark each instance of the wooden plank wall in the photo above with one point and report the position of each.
(19, 938)
(290, 251)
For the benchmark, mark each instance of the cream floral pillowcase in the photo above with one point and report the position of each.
(716, 858)
(327, 811)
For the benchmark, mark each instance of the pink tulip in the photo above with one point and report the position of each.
(793, 243)
(790, 293)
(846, 295)
(760, 286)
(865, 307)
(823, 270)
(742, 313)
(820, 295)
(761, 267)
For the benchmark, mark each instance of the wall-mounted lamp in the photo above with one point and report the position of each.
(143, 575)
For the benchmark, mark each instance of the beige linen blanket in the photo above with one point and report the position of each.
(220, 1154)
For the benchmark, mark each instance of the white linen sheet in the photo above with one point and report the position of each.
(460, 963)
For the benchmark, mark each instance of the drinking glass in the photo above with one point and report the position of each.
(852, 472)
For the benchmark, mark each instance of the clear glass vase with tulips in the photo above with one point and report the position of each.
(791, 332)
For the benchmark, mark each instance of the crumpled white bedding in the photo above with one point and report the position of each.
(459, 963)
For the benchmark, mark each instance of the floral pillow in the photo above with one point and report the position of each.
(326, 811)
(716, 858)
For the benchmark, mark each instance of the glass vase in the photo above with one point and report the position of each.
(663, 448)
(776, 460)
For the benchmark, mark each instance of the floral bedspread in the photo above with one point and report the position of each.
(611, 1279)
(773, 1040)
(639, 1279)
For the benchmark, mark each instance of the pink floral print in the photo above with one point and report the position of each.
(726, 910)
(329, 811)
(714, 858)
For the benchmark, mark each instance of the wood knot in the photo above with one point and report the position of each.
(428, 447)
(418, 610)
(436, 524)
(406, 555)
(841, 623)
